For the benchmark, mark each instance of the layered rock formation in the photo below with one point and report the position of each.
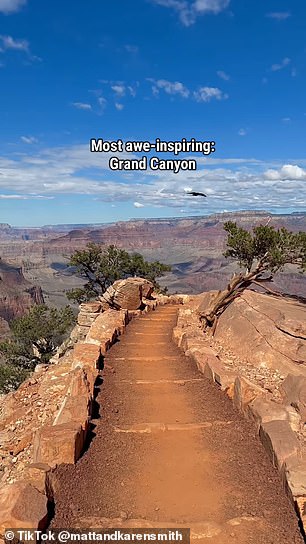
(17, 295)
(273, 330)
(46, 421)
(129, 294)
(258, 358)
(193, 245)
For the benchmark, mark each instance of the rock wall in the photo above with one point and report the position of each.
(17, 295)
(265, 331)
(262, 370)
(46, 421)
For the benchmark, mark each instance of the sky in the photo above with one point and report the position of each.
(228, 71)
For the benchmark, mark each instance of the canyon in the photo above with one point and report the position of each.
(193, 246)
(17, 295)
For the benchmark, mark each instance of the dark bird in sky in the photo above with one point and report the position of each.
(194, 193)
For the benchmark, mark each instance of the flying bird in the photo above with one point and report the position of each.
(195, 193)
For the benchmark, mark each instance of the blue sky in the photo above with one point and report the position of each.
(232, 71)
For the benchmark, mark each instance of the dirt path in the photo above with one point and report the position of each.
(170, 450)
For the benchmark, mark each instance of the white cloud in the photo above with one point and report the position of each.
(102, 103)
(11, 43)
(119, 106)
(223, 75)
(276, 67)
(11, 6)
(210, 6)
(29, 140)
(229, 183)
(25, 197)
(286, 119)
(279, 15)
(82, 106)
(286, 172)
(206, 94)
(132, 90)
(188, 12)
(170, 87)
(138, 205)
(119, 90)
(242, 132)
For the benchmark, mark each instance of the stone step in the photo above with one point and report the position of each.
(147, 428)
(162, 382)
(140, 359)
(147, 346)
(145, 333)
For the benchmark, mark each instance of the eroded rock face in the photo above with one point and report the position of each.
(294, 393)
(17, 295)
(127, 294)
(264, 331)
(22, 506)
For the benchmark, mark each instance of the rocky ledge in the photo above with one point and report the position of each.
(47, 420)
(258, 357)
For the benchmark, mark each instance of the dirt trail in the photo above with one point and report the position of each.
(169, 450)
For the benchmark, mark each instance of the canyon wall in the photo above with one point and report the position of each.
(17, 295)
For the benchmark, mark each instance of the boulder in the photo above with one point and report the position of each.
(22, 507)
(106, 328)
(36, 474)
(264, 331)
(54, 445)
(263, 410)
(86, 355)
(280, 442)
(245, 392)
(88, 313)
(293, 391)
(127, 294)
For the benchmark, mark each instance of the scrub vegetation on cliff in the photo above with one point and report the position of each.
(261, 253)
(101, 267)
(34, 339)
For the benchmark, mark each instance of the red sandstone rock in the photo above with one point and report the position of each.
(245, 392)
(264, 330)
(294, 392)
(280, 442)
(58, 444)
(86, 354)
(23, 443)
(264, 410)
(106, 328)
(128, 293)
(22, 506)
(37, 473)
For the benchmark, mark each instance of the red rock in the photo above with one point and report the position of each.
(293, 391)
(106, 328)
(75, 409)
(22, 506)
(127, 293)
(58, 444)
(86, 354)
(280, 442)
(245, 392)
(26, 440)
(263, 410)
(37, 473)
(91, 307)
(255, 327)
